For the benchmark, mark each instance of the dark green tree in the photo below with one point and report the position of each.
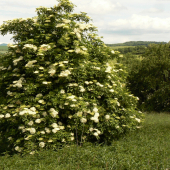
(150, 79)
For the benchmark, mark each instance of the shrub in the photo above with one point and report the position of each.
(150, 79)
(58, 86)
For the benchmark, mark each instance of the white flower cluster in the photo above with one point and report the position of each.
(39, 95)
(30, 46)
(72, 84)
(2, 68)
(44, 47)
(30, 63)
(108, 69)
(9, 93)
(97, 133)
(1, 116)
(17, 60)
(17, 148)
(41, 144)
(64, 73)
(66, 21)
(96, 115)
(12, 46)
(138, 120)
(82, 89)
(71, 97)
(57, 127)
(53, 112)
(52, 71)
(107, 117)
(31, 111)
(31, 130)
(96, 68)
(83, 26)
(83, 120)
(98, 84)
(77, 32)
(18, 83)
(88, 82)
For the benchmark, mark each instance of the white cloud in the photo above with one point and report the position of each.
(152, 11)
(142, 23)
(99, 7)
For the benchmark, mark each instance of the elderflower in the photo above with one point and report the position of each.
(83, 120)
(41, 144)
(32, 130)
(138, 120)
(7, 115)
(107, 117)
(38, 121)
(1, 116)
(30, 123)
(53, 112)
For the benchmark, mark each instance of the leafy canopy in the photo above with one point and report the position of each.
(150, 79)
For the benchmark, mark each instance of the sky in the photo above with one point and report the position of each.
(117, 21)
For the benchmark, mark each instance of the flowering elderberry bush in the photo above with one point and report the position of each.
(58, 86)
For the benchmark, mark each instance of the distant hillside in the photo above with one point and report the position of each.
(3, 44)
(136, 43)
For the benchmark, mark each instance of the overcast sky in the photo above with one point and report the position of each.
(117, 20)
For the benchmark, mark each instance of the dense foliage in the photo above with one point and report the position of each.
(150, 78)
(58, 85)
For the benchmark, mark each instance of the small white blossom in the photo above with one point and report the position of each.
(32, 130)
(1, 116)
(52, 71)
(41, 144)
(138, 120)
(30, 123)
(47, 130)
(38, 121)
(7, 115)
(54, 125)
(55, 130)
(79, 114)
(72, 138)
(64, 73)
(17, 60)
(53, 112)
(30, 46)
(111, 90)
(62, 91)
(30, 63)
(41, 101)
(95, 109)
(95, 134)
(107, 117)
(32, 152)
(36, 72)
(83, 120)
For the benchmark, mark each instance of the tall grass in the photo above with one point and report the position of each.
(145, 149)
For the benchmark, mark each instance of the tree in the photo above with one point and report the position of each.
(150, 79)
(58, 86)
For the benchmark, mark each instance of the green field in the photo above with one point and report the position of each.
(145, 149)
(3, 49)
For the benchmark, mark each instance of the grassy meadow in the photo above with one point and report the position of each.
(147, 148)
(3, 49)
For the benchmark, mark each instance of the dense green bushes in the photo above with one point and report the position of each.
(58, 85)
(150, 78)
